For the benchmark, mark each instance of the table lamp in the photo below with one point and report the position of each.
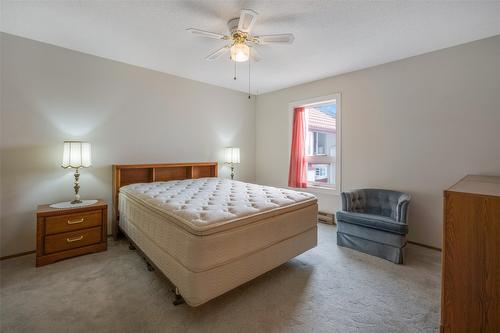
(232, 156)
(76, 154)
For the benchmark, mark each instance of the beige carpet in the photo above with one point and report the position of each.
(327, 289)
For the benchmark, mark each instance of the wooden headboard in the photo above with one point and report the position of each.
(125, 174)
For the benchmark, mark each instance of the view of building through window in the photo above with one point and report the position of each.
(321, 143)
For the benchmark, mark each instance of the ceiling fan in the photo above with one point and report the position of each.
(240, 38)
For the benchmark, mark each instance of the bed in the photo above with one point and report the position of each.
(206, 234)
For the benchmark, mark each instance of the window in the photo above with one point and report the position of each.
(322, 140)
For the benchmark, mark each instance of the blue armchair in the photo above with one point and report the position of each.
(373, 221)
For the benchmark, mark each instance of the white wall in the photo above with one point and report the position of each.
(129, 114)
(415, 125)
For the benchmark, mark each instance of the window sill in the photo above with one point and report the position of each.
(318, 190)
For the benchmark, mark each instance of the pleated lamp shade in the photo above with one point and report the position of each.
(76, 154)
(232, 155)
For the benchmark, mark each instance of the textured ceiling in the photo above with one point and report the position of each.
(331, 37)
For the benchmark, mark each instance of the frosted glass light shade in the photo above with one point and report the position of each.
(76, 154)
(240, 52)
(232, 155)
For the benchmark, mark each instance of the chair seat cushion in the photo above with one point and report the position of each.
(373, 221)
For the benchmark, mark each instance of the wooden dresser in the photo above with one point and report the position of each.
(470, 294)
(66, 233)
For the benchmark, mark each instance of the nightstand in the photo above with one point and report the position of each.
(69, 232)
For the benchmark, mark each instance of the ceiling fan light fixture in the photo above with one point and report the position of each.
(239, 39)
(240, 52)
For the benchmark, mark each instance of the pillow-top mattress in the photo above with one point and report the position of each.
(208, 222)
(208, 205)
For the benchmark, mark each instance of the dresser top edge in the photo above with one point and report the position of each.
(477, 184)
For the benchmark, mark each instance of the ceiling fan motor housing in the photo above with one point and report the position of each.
(238, 37)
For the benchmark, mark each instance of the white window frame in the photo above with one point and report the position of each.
(338, 162)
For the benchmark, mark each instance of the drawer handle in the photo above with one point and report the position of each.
(76, 221)
(76, 239)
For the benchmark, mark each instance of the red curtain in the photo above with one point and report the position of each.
(298, 165)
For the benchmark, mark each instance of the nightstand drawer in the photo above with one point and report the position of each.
(71, 240)
(70, 222)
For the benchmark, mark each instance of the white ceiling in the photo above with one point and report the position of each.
(331, 37)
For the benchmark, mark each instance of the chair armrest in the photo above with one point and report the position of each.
(346, 198)
(402, 208)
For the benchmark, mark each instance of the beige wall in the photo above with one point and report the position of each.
(129, 114)
(415, 125)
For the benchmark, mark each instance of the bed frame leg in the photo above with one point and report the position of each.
(150, 267)
(178, 298)
(148, 264)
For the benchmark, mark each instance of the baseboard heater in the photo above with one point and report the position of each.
(326, 218)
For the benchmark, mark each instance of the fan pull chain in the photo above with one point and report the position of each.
(249, 60)
(234, 70)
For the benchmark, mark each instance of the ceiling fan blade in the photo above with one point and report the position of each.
(255, 54)
(207, 34)
(247, 20)
(217, 54)
(275, 39)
